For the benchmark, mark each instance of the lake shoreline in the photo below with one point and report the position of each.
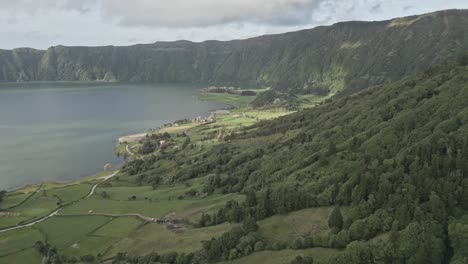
(62, 144)
(120, 140)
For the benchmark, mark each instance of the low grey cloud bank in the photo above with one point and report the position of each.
(206, 13)
(179, 13)
(194, 13)
(33, 7)
(122, 22)
(201, 13)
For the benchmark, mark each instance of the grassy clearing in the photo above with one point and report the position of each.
(230, 99)
(310, 100)
(75, 236)
(285, 256)
(305, 101)
(92, 235)
(286, 228)
(38, 205)
(102, 239)
(18, 240)
(78, 236)
(119, 227)
(121, 149)
(156, 238)
(248, 117)
(11, 220)
(149, 202)
(24, 256)
(90, 245)
(177, 129)
(44, 202)
(193, 215)
(158, 207)
(70, 193)
(50, 197)
(161, 193)
(64, 232)
(12, 199)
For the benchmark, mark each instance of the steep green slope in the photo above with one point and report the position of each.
(391, 158)
(346, 56)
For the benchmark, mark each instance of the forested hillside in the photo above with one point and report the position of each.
(391, 160)
(346, 56)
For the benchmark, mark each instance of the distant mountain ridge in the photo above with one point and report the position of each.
(345, 57)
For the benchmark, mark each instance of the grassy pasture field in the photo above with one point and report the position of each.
(104, 236)
(156, 238)
(29, 255)
(89, 234)
(119, 227)
(18, 240)
(38, 205)
(107, 236)
(247, 117)
(177, 129)
(35, 201)
(84, 235)
(231, 99)
(121, 149)
(284, 256)
(307, 101)
(43, 202)
(70, 193)
(148, 202)
(75, 229)
(13, 199)
(286, 228)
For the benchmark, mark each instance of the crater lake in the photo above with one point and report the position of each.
(65, 131)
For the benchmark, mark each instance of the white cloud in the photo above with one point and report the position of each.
(31, 7)
(202, 13)
(176, 13)
(208, 13)
(44, 23)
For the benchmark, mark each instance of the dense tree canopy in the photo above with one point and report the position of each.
(393, 156)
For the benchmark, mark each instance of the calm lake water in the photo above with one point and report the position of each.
(64, 131)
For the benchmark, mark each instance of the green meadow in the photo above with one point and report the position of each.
(101, 225)
(285, 256)
(287, 228)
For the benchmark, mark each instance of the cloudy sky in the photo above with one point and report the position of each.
(44, 23)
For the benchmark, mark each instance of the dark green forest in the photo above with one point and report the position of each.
(391, 159)
(345, 57)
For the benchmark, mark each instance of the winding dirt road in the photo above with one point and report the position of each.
(129, 152)
(91, 192)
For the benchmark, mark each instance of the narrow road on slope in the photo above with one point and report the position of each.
(129, 152)
(56, 211)
(104, 179)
